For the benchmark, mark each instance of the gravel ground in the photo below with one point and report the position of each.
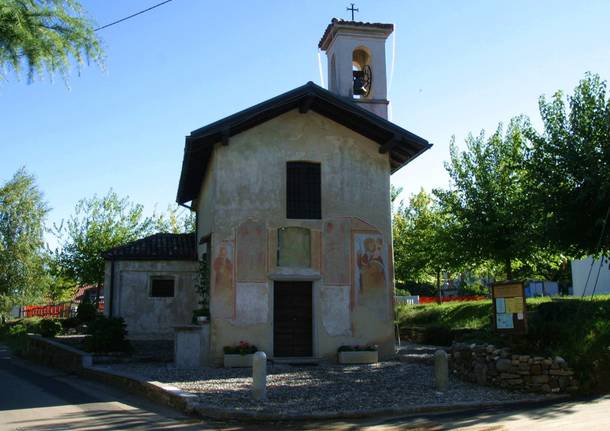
(322, 388)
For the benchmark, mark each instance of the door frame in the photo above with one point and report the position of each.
(315, 288)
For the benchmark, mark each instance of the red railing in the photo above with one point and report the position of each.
(432, 299)
(60, 310)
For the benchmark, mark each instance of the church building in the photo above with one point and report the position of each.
(293, 208)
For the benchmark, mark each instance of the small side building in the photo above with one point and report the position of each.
(152, 284)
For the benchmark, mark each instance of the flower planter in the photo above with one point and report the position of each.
(238, 361)
(359, 357)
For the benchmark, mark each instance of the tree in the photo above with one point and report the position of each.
(22, 215)
(422, 240)
(489, 198)
(569, 166)
(45, 35)
(97, 225)
(175, 220)
(60, 286)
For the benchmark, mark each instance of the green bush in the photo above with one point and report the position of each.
(107, 335)
(14, 335)
(49, 328)
(69, 323)
(86, 312)
(578, 330)
(31, 324)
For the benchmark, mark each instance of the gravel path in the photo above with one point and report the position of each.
(320, 389)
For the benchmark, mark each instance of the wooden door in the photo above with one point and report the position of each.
(292, 319)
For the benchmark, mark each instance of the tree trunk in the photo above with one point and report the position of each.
(509, 269)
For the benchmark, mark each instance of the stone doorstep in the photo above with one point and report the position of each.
(178, 399)
(305, 360)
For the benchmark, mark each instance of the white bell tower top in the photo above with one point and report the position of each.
(356, 62)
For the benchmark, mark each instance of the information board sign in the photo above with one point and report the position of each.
(509, 311)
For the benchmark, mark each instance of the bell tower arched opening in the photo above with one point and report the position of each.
(357, 62)
(362, 73)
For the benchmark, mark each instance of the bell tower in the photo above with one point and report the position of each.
(356, 62)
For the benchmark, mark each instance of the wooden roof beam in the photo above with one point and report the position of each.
(394, 141)
(305, 104)
(225, 135)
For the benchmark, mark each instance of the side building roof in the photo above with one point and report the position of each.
(160, 246)
(402, 145)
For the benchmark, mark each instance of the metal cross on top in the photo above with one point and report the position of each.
(352, 9)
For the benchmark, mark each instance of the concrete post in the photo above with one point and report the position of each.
(441, 370)
(259, 376)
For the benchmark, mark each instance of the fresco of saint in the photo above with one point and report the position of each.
(370, 262)
(224, 287)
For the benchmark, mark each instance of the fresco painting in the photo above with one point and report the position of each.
(294, 247)
(223, 304)
(335, 252)
(371, 259)
(251, 245)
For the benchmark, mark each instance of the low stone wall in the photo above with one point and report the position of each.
(487, 365)
(52, 353)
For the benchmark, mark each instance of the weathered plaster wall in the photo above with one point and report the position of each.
(249, 190)
(147, 317)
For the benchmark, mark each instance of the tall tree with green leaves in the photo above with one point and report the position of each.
(569, 167)
(423, 244)
(22, 215)
(175, 220)
(45, 35)
(489, 197)
(98, 224)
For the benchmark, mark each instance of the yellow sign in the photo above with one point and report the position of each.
(514, 305)
(508, 290)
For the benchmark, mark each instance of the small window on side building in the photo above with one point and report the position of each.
(162, 287)
(303, 191)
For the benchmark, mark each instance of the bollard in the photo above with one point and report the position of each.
(441, 370)
(259, 376)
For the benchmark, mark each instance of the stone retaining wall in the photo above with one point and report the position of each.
(487, 365)
(52, 353)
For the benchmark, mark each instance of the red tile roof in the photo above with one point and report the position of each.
(161, 246)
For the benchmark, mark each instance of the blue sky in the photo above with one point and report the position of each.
(460, 66)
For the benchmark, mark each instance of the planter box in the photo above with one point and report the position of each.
(361, 357)
(238, 361)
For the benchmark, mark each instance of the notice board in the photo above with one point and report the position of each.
(509, 310)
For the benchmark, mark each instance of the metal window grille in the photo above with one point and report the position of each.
(303, 190)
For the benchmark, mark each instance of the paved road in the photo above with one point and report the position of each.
(38, 398)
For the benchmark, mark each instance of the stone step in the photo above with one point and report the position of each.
(295, 361)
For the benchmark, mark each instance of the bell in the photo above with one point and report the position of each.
(359, 85)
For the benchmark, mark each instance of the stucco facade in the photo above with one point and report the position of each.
(244, 190)
(129, 293)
